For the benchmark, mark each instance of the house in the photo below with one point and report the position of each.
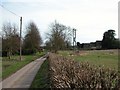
(92, 45)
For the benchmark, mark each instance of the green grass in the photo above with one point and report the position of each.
(108, 58)
(0, 67)
(42, 78)
(11, 66)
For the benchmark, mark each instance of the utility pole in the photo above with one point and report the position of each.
(74, 39)
(20, 37)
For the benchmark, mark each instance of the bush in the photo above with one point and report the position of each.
(27, 52)
(4, 53)
(67, 73)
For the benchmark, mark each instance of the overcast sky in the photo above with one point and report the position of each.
(91, 18)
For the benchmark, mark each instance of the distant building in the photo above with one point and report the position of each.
(98, 44)
(86, 45)
(92, 45)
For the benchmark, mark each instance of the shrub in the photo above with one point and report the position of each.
(27, 52)
(4, 53)
(67, 73)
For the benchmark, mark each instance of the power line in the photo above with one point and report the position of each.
(9, 11)
(20, 27)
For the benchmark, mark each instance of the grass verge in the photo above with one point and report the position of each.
(42, 78)
(11, 66)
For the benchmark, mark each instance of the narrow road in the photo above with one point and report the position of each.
(23, 77)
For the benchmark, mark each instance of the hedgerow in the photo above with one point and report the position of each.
(68, 73)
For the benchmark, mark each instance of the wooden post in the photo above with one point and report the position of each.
(20, 37)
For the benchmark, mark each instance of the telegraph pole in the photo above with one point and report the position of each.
(20, 37)
(74, 39)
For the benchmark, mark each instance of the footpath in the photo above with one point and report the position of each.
(23, 77)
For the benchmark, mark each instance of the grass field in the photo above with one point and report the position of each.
(42, 78)
(106, 58)
(14, 64)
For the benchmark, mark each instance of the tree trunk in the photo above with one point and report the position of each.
(9, 55)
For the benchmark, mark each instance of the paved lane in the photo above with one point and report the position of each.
(23, 77)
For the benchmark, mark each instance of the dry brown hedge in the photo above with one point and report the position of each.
(68, 73)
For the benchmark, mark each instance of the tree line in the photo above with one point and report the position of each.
(59, 37)
(11, 39)
(108, 42)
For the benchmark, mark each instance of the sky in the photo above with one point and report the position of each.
(91, 18)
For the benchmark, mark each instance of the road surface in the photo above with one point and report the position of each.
(23, 77)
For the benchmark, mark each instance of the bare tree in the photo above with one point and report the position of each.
(10, 39)
(32, 40)
(59, 37)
